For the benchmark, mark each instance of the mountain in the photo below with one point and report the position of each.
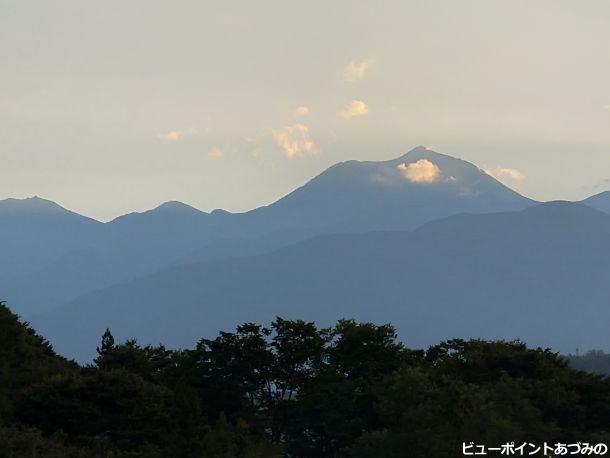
(526, 274)
(398, 194)
(155, 237)
(129, 246)
(35, 232)
(599, 201)
(56, 255)
(356, 196)
(162, 220)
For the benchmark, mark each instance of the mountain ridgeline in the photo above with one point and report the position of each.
(429, 242)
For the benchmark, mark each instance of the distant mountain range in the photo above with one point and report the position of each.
(35, 232)
(53, 255)
(540, 274)
(429, 242)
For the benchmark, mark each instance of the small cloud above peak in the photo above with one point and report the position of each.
(175, 135)
(215, 152)
(301, 111)
(296, 141)
(356, 69)
(355, 108)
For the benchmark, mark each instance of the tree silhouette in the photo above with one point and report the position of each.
(291, 389)
(107, 344)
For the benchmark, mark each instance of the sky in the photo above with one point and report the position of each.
(108, 107)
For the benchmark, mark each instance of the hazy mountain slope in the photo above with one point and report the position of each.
(359, 196)
(349, 197)
(35, 231)
(526, 274)
(87, 270)
(171, 220)
(129, 246)
(599, 201)
(354, 197)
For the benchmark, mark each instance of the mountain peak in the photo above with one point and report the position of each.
(424, 152)
(169, 210)
(396, 194)
(419, 151)
(30, 205)
(175, 206)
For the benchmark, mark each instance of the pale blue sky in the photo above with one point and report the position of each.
(114, 106)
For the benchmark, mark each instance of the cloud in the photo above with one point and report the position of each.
(173, 135)
(356, 69)
(215, 152)
(422, 171)
(301, 111)
(355, 108)
(504, 172)
(296, 141)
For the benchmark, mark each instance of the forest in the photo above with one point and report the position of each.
(290, 389)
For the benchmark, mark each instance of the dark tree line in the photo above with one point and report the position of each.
(291, 389)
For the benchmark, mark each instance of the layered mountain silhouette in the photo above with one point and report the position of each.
(97, 255)
(426, 241)
(60, 255)
(34, 232)
(399, 194)
(540, 274)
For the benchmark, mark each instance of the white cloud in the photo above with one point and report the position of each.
(215, 152)
(422, 171)
(301, 111)
(504, 172)
(296, 141)
(355, 108)
(356, 69)
(173, 135)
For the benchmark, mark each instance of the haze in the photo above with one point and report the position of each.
(110, 107)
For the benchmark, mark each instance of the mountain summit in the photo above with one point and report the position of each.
(170, 209)
(35, 205)
(35, 232)
(400, 193)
